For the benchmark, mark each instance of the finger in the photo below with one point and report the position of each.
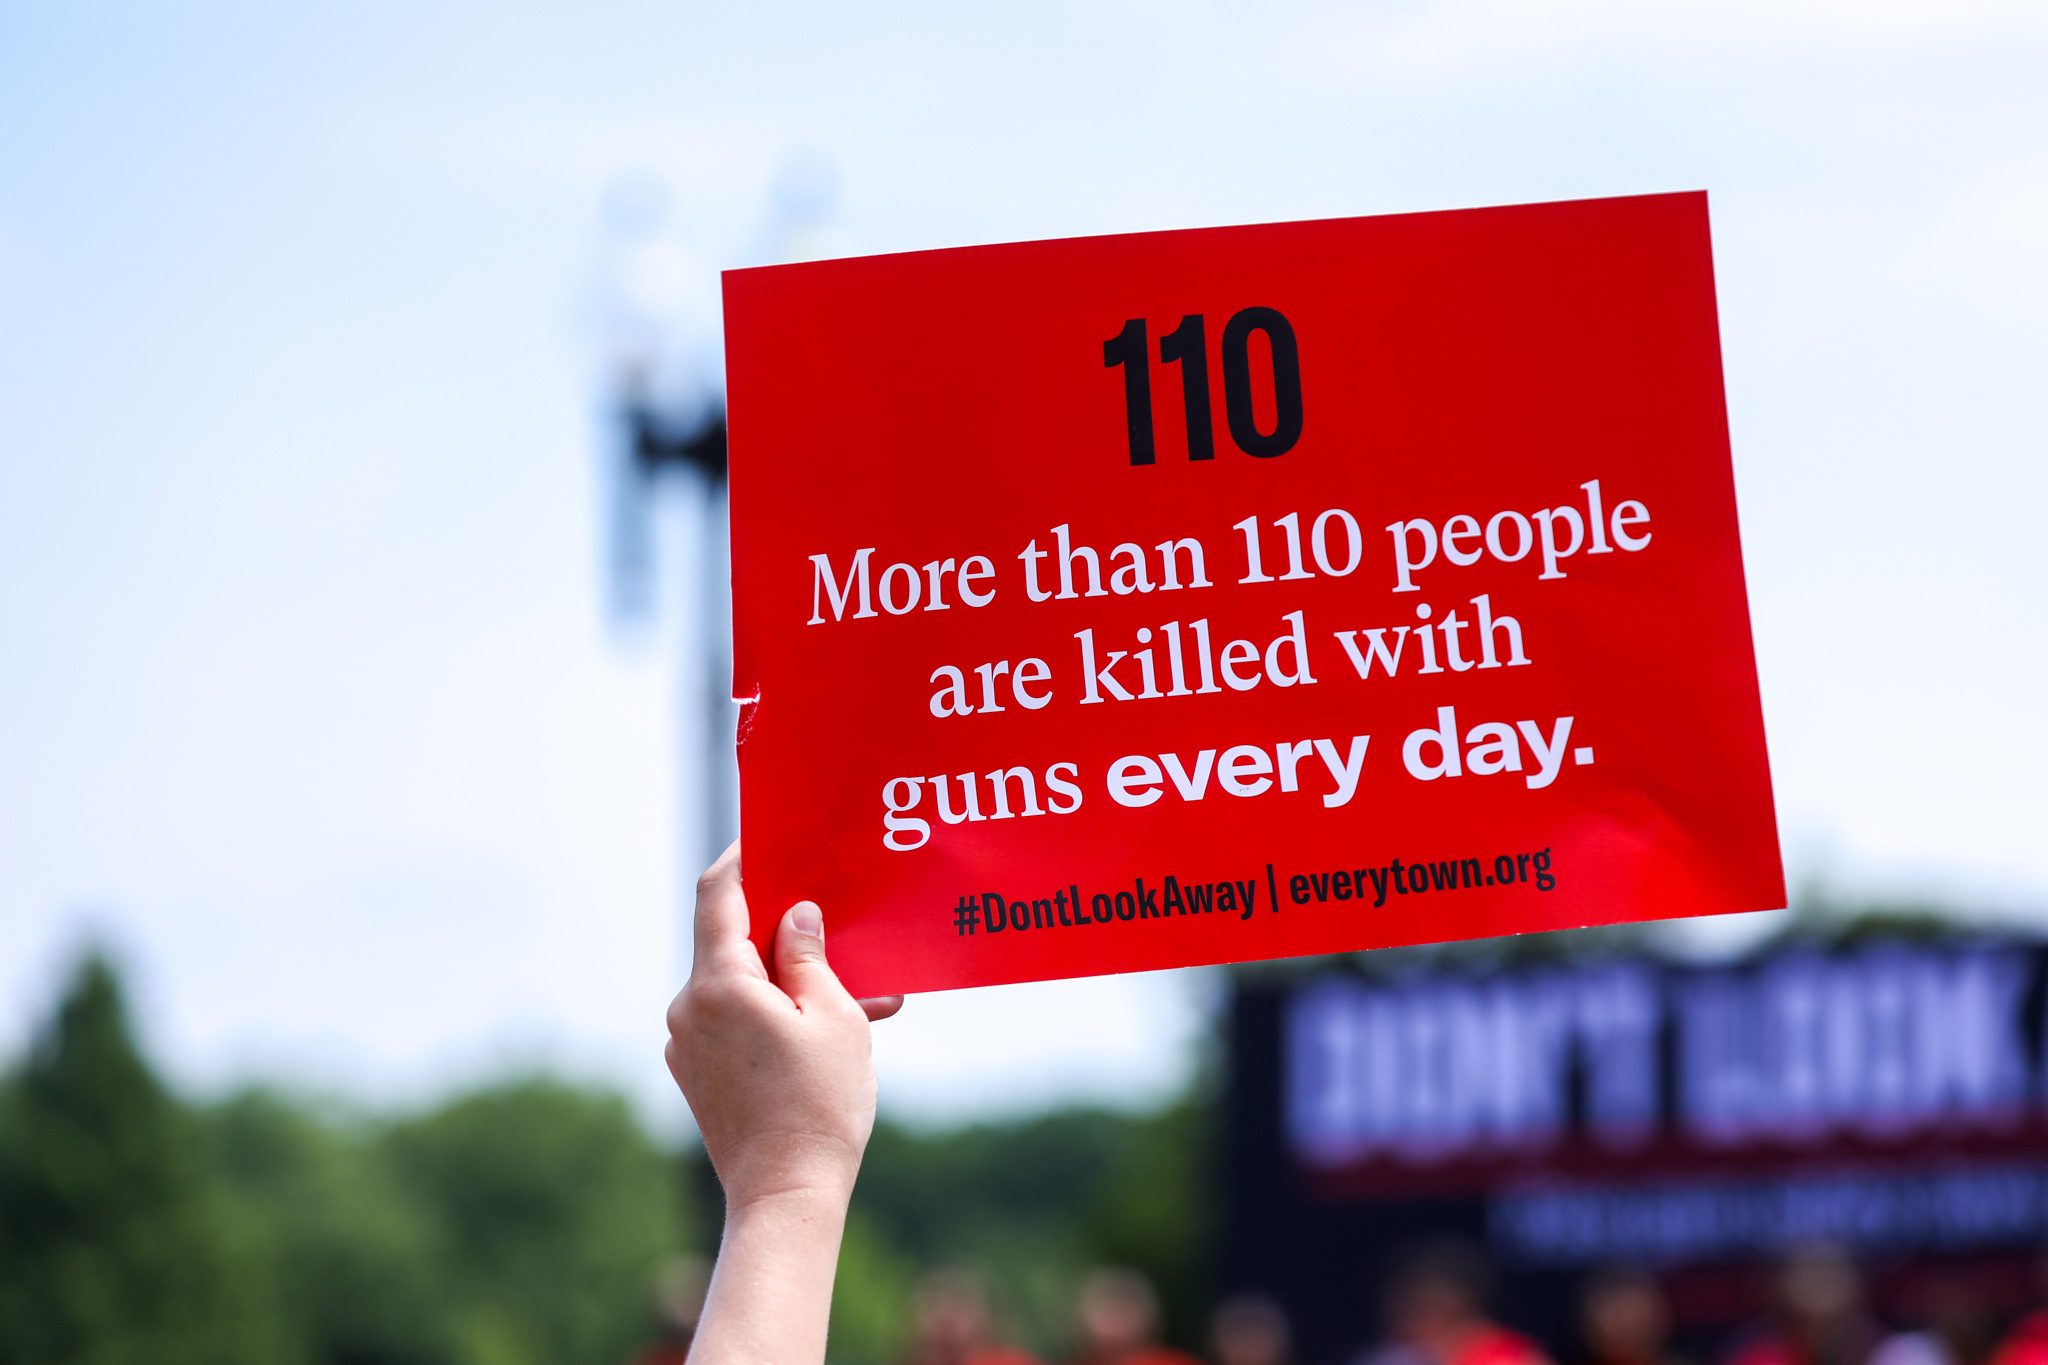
(722, 919)
(880, 1007)
(800, 966)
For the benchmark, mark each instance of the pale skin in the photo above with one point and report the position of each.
(778, 1071)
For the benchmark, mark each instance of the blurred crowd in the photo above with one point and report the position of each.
(1437, 1311)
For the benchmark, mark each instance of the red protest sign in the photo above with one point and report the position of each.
(1186, 597)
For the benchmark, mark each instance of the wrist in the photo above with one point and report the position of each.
(805, 1174)
(810, 1204)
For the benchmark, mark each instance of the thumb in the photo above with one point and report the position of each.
(800, 966)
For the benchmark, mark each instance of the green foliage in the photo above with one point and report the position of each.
(116, 1241)
(869, 1299)
(519, 1224)
(512, 1225)
(554, 1211)
(358, 1266)
(1035, 1203)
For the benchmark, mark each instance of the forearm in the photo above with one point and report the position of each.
(780, 1076)
(771, 1292)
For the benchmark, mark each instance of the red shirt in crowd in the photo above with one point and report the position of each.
(2026, 1344)
(1493, 1345)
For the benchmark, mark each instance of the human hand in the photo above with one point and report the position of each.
(778, 1072)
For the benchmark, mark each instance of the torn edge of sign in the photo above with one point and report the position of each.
(746, 686)
(749, 705)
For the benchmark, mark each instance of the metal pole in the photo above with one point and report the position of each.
(721, 772)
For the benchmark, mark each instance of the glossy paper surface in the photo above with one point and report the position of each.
(1557, 722)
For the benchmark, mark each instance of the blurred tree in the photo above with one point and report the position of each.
(357, 1264)
(1152, 1211)
(871, 1297)
(518, 1224)
(554, 1212)
(1034, 1203)
(116, 1243)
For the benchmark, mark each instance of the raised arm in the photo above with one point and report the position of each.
(779, 1075)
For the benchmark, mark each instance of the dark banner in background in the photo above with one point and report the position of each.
(1699, 1121)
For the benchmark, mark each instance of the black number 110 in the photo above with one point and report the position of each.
(1187, 346)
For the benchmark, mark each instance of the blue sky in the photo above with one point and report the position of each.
(307, 696)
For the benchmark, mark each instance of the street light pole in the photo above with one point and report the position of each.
(700, 450)
(668, 383)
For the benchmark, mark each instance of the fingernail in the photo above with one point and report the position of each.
(806, 918)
